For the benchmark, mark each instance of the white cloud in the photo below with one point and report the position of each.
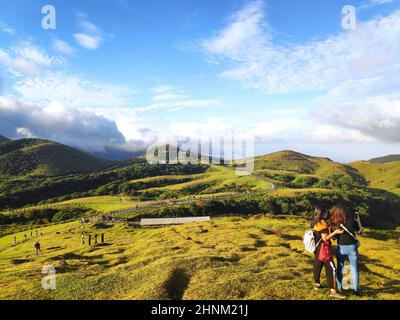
(7, 29)
(169, 98)
(182, 104)
(139, 131)
(72, 90)
(24, 133)
(245, 33)
(374, 3)
(167, 93)
(377, 118)
(62, 47)
(253, 57)
(357, 73)
(59, 123)
(91, 36)
(88, 41)
(27, 59)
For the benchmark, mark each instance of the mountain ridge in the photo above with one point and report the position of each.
(40, 157)
(385, 159)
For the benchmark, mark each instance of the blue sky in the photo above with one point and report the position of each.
(125, 73)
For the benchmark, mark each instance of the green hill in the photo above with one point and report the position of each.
(386, 159)
(301, 170)
(258, 254)
(3, 139)
(37, 157)
(380, 175)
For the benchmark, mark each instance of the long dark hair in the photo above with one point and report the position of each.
(320, 213)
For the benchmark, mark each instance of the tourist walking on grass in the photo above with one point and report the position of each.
(90, 239)
(95, 238)
(82, 238)
(347, 243)
(322, 235)
(25, 237)
(15, 241)
(37, 247)
(102, 238)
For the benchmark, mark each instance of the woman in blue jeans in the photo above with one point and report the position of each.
(347, 243)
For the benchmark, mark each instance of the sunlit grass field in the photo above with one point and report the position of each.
(380, 175)
(103, 203)
(260, 257)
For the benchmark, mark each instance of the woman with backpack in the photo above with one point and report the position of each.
(323, 253)
(347, 243)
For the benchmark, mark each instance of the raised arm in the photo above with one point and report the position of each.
(326, 236)
(357, 223)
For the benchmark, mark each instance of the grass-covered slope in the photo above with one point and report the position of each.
(228, 258)
(380, 175)
(386, 159)
(37, 157)
(3, 139)
(294, 169)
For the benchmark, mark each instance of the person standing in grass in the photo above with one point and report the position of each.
(102, 238)
(37, 247)
(82, 238)
(25, 237)
(347, 243)
(321, 234)
(15, 241)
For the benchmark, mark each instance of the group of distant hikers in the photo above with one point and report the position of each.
(26, 237)
(89, 238)
(37, 246)
(341, 225)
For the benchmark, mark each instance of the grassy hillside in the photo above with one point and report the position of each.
(36, 157)
(3, 139)
(228, 258)
(385, 159)
(293, 169)
(256, 257)
(217, 179)
(380, 175)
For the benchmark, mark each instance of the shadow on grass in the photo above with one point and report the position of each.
(260, 243)
(55, 248)
(177, 284)
(120, 261)
(103, 226)
(233, 259)
(248, 249)
(104, 244)
(292, 237)
(382, 235)
(271, 232)
(19, 261)
(74, 256)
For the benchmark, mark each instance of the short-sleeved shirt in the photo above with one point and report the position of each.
(346, 239)
(320, 228)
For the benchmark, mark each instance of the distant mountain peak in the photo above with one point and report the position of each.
(38, 157)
